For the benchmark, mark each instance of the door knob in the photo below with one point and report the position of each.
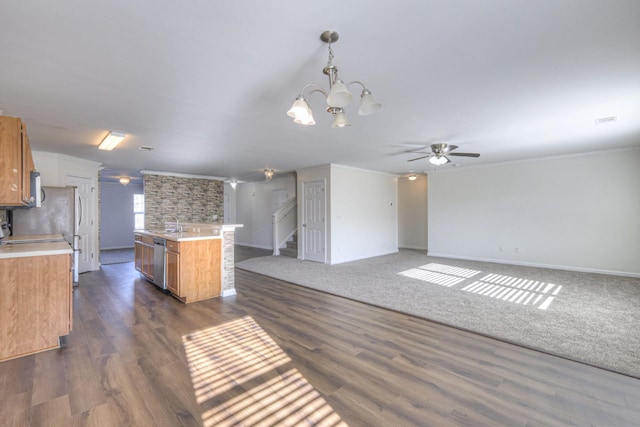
(304, 225)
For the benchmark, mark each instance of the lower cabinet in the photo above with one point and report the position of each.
(194, 269)
(36, 303)
(173, 270)
(144, 255)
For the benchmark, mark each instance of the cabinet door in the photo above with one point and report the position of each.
(138, 256)
(27, 164)
(173, 272)
(10, 162)
(147, 260)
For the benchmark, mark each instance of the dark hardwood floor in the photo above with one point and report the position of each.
(279, 354)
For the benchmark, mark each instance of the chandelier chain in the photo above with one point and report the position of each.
(330, 61)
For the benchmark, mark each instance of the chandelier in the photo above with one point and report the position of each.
(338, 96)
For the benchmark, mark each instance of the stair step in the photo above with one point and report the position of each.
(292, 244)
(290, 252)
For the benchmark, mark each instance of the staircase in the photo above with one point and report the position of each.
(291, 250)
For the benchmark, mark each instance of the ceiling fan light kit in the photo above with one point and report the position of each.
(439, 153)
(338, 96)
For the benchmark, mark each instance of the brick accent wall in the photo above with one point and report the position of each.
(167, 198)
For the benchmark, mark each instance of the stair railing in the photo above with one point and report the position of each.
(285, 224)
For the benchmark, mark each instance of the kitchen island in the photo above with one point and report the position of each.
(198, 261)
(36, 305)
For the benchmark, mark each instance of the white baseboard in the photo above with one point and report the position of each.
(540, 265)
(417, 248)
(228, 292)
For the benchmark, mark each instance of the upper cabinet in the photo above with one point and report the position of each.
(16, 163)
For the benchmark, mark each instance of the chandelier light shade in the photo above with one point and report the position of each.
(111, 141)
(268, 174)
(124, 180)
(337, 97)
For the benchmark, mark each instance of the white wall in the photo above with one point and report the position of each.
(254, 210)
(575, 212)
(230, 204)
(412, 213)
(54, 168)
(117, 220)
(364, 214)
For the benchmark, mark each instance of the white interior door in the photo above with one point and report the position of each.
(313, 226)
(84, 221)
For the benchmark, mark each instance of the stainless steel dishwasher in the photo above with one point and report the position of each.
(159, 260)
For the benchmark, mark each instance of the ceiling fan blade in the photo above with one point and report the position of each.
(464, 154)
(418, 158)
(448, 148)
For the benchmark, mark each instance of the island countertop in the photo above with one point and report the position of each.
(180, 236)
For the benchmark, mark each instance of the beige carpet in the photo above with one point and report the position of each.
(591, 318)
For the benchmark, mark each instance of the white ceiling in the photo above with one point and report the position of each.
(208, 83)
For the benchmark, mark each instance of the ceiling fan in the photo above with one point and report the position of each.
(439, 153)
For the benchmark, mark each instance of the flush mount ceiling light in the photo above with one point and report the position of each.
(268, 174)
(412, 177)
(338, 96)
(111, 141)
(124, 180)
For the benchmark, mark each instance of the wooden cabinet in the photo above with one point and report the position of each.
(194, 269)
(36, 303)
(16, 163)
(143, 255)
(173, 268)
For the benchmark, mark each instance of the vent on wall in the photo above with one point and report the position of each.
(606, 120)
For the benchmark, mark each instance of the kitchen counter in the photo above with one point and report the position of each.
(18, 250)
(182, 236)
(179, 236)
(35, 238)
(219, 234)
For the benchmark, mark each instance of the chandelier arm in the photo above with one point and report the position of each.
(318, 88)
(358, 82)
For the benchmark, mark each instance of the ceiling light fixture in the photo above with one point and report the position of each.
(124, 180)
(412, 177)
(268, 174)
(233, 184)
(438, 160)
(338, 96)
(111, 141)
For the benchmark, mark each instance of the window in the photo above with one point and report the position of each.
(138, 210)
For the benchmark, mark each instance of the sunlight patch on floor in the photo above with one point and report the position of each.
(439, 274)
(515, 290)
(506, 288)
(243, 378)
